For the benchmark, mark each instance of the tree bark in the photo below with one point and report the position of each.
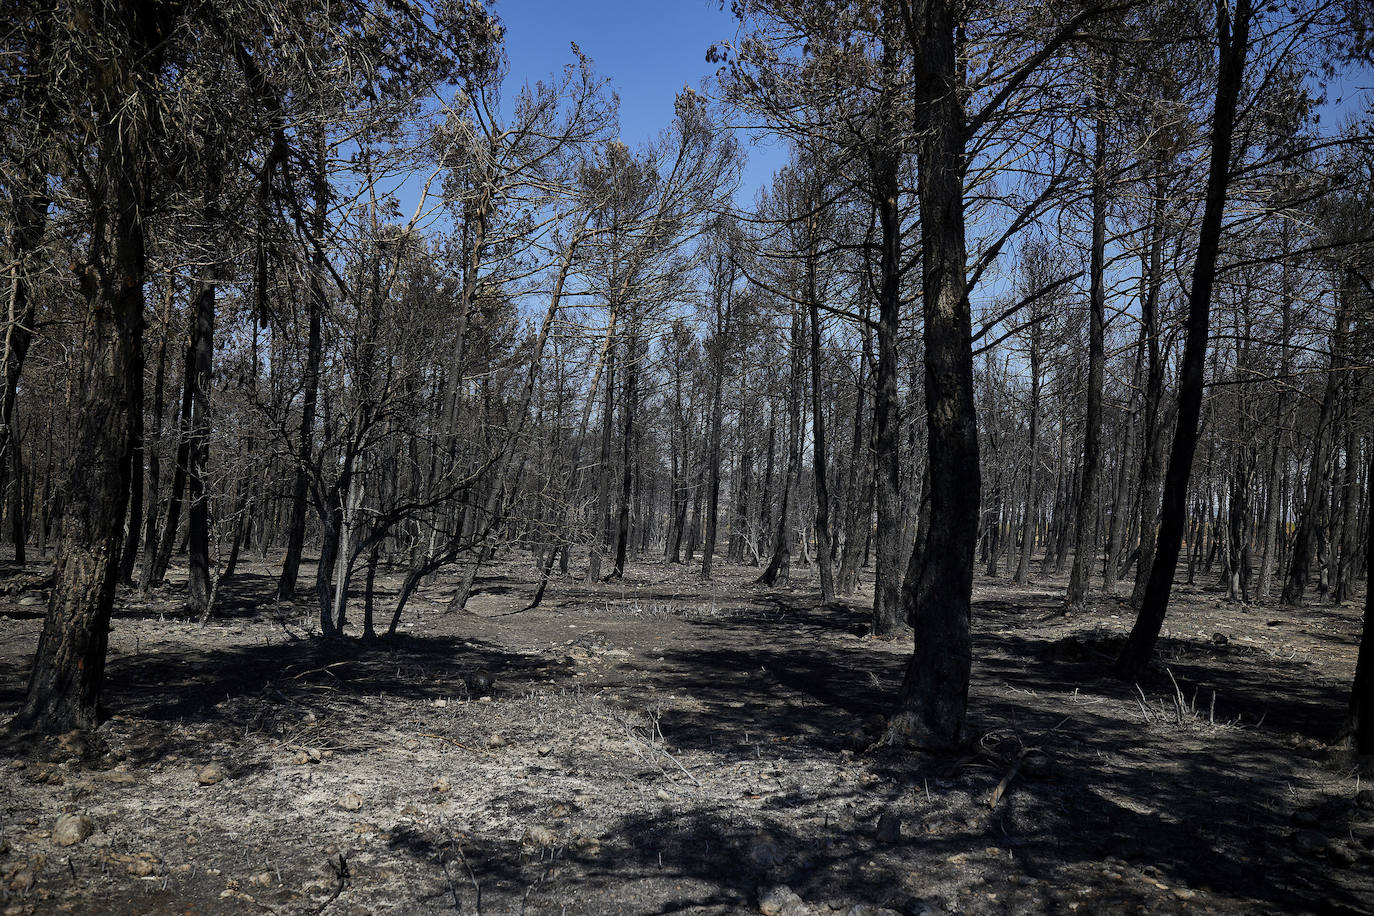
(627, 453)
(779, 566)
(719, 346)
(1084, 534)
(172, 523)
(746, 475)
(1152, 454)
(938, 591)
(818, 462)
(1360, 715)
(1323, 442)
(198, 450)
(68, 670)
(859, 492)
(1233, 35)
(1028, 523)
(26, 235)
(1274, 502)
(150, 540)
(305, 453)
(887, 584)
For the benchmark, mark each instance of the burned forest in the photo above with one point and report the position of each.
(786, 456)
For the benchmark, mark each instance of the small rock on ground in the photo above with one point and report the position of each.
(783, 901)
(210, 774)
(71, 829)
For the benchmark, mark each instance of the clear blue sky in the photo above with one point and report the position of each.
(649, 49)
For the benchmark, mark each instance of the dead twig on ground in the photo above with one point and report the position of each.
(656, 744)
(1002, 786)
(450, 741)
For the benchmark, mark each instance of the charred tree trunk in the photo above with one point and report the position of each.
(859, 499)
(26, 235)
(1028, 522)
(197, 452)
(1084, 535)
(68, 670)
(1152, 454)
(888, 619)
(1233, 35)
(937, 592)
(603, 534)
(1273, 507)
(627, 453)
(1323, 442)
(145, 576)
(818, 463)
(172, 523)
(305, 451)
(1350, 522)
(746, 475)
(719, 348)
(779, 566)
(1360, 717)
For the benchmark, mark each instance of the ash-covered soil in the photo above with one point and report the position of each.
(664, 745)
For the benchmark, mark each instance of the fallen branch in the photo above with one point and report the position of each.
(1001, 789)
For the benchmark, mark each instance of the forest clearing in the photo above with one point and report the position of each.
(779, 456)
(664, 747)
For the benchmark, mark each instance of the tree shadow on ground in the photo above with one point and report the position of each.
(1204, 803)
(188, 685)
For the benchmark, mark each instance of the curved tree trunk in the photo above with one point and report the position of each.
(68, 670)
(1139, 648)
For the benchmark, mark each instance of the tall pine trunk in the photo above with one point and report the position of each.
(1028, 521)
(818, 462)
(1233, 35)
(197, 452)
(937, 593)
(315, 303)
(1085, 540)
(779, 566)
(887, 585)
(713, 458)
(1360, 716)
(26, 235)
(68, 670)
(1323, 444)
